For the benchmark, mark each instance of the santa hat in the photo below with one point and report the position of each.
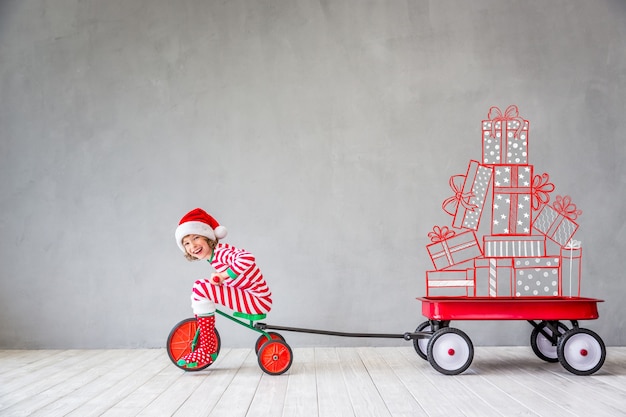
(199, 222)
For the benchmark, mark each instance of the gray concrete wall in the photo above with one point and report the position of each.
(321, 133)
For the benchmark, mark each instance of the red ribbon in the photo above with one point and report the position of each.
(541, 190)
(511, 113)
(439, 234)
(458, 197)
(564, 206)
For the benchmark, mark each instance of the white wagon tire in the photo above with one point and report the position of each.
(421, 345)
(541, 345)
(581, 351)
(450, 351)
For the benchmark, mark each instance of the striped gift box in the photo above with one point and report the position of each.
(494, 277)
(451, 249)
(571, 257)
(514, 246)
(451, 282)
(557, 221)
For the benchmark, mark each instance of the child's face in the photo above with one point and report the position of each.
(197, 246)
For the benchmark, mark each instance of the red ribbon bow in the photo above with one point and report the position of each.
(541, 190)
(456, 183)
(564, 206)
(511, 113)
(439, 234)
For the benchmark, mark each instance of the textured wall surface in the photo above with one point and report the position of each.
(321, 133)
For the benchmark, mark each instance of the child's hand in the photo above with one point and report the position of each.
(217, 278)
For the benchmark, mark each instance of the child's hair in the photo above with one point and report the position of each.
(212, 245)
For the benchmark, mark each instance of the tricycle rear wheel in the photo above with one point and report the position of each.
(275, 357)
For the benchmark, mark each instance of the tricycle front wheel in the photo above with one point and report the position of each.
(183, 339)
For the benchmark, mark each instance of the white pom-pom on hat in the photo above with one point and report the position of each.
(199, 222)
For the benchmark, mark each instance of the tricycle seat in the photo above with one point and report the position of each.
(251, 317)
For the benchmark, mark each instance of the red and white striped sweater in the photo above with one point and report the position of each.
(242, 268)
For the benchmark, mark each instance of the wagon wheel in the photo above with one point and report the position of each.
(450, 351)
(181, 341)
(541, 345)
(421, 344)
(262, 339)
(275, 357)
(581, 351)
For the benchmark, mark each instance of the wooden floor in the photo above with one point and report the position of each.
(369, 381)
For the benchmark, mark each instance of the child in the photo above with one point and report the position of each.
(238, 283)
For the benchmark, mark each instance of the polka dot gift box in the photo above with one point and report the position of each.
(470, 192)
(505, 137)
(535, 277)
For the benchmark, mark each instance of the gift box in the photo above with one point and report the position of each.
(571, 257)
(494, 277)
(557, 221)
(470, 192)
(449, 249)
(537, 277)
(514, 246)
(512, 200)
(505, 137)
(452, 283)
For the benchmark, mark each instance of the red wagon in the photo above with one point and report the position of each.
(450, 351)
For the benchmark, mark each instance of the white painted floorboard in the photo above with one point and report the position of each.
(322, 382)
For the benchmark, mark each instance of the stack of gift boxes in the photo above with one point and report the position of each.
(528, 249)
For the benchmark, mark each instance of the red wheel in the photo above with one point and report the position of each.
(181, 341)
(275, 357)
(262, 339)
